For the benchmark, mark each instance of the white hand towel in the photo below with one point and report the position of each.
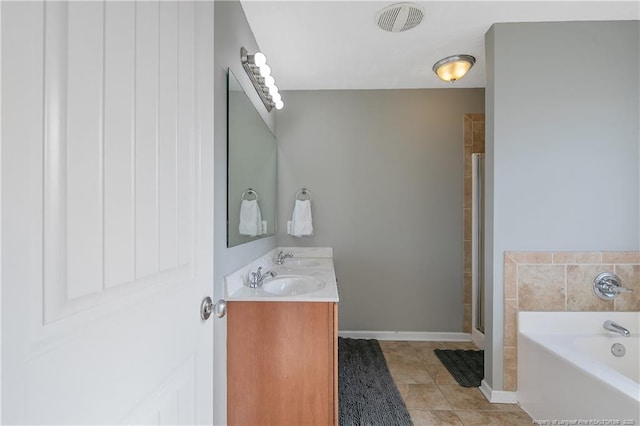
(250, 218)
(301, 221)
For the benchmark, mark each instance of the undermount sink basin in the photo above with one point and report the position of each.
(301, 263)
(292, 285)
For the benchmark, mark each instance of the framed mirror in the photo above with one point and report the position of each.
(251, 169)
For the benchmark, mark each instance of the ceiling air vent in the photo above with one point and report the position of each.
(399, 17)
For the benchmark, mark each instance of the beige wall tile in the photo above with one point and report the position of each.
(467, 224)
(478, 136)
(510, 369)
(580, 295)
(510, 277)
(478, 146)
(510, 322)
(541, 287)
(467, 257)
(467, 190)
(577, 257)
(466, 321)
(531, 256)
(632, 257)
(467, 161)
(630, 277)
(467, 130)
(466, 288)
(476, 116)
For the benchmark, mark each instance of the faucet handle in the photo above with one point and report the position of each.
(282, 256)
(608, 285)
(254, 277)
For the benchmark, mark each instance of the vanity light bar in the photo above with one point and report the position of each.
(260, 75)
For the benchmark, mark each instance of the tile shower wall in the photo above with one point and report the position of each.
(560, 281)
(473, 140)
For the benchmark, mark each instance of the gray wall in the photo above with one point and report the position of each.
(385, 171)
(232, 31)
(562, 147)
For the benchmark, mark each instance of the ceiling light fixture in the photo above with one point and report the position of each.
(260, 75)
(453, 68)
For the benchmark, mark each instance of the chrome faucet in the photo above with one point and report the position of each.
(256, 278)
(616, 328)
(280, 258)
(608, 285)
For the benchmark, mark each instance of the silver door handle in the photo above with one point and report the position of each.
(207, 307)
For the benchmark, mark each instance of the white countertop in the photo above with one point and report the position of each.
(236, 289)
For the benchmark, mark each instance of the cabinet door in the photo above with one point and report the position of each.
(281, 363)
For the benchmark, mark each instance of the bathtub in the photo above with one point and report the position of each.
(567, 373)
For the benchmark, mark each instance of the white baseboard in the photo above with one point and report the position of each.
(407, 335)
(498, 397)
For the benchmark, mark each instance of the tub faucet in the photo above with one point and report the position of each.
(280, 258)
(256, 278)
(608, 286)
(616, 328)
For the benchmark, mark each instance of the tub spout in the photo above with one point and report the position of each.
(616, 328)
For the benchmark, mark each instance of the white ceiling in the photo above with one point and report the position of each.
(337, 45)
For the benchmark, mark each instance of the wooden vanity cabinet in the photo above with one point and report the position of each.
(282, 363)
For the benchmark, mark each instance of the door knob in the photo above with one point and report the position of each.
(207, 307)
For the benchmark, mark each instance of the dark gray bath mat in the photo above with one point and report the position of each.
(367, 394)
(466, 366)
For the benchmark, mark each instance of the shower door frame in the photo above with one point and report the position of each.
(477, 249)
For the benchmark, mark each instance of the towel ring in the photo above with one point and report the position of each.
(303, 192)
(249, 191)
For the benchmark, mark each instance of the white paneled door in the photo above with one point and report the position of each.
(107, 212)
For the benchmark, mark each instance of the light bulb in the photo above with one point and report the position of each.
(276, 97)
(273, 90)
(265, 71)
(279, 104)
(269, 81)
(259, 59)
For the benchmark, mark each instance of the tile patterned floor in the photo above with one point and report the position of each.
(433, 396)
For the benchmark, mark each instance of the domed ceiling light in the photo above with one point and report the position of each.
(453, 68)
